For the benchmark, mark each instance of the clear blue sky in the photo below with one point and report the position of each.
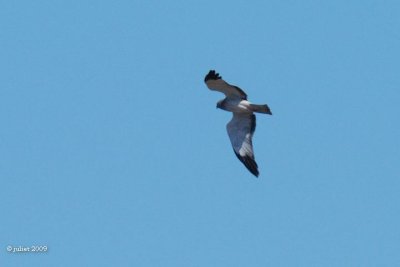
(112, 152)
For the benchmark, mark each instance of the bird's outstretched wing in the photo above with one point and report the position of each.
(214, 82)
(240, 130)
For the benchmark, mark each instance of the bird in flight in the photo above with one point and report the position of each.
(243, 124)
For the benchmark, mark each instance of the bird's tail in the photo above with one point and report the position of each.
(260, 109)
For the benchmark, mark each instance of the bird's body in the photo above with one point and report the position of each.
(243, 124)
(237, 105)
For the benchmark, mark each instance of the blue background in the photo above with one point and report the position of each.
(112, 152)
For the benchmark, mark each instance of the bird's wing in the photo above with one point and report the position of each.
(214, 82)
(240, 130)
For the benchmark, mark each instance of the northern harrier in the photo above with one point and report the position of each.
(243, 124)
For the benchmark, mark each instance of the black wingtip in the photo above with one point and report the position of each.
(250, 164)
(252, 167)
(212, 75)
(255, 172)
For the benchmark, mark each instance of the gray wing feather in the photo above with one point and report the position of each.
(240, 130)
(214, 82)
